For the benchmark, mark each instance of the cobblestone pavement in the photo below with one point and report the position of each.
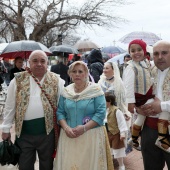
(133, 161)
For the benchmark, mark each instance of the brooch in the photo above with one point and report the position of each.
(86, 119)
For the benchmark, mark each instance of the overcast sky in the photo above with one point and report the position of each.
(146, 15)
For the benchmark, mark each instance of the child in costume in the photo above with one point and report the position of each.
(116, 128)
(139, 88)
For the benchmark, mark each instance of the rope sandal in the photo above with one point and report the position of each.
(159, 143)
(135, 142)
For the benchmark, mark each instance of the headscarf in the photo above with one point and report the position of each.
(119, 89)
(139, 42)
(118, 85)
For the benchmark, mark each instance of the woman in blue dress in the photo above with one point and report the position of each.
(83, 142)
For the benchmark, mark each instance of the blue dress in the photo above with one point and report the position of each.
(74, 112)
(89, 151)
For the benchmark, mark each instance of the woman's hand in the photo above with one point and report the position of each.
(79, 130)
(131, 107)
(70, 132)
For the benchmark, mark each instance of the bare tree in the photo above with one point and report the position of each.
(71, 39)
(53, 37)
(35, 19)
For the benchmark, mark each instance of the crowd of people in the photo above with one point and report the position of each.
(7, 69)
(87, 111)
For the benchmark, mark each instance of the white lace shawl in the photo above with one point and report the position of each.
(91, 91)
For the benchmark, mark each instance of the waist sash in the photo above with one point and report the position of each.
(142, 99)
(152, 122)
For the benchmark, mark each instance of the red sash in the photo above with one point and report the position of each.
(142, 99)
(152, 122)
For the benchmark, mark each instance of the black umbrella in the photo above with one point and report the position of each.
(63, 49)
(23, 49)
(9, 153)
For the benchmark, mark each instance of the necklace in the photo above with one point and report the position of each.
(110, 78)
(80, 89)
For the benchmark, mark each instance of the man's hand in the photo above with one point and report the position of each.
(6, 136)
(150, 109)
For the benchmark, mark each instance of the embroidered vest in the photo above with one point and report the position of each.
(23, 96)
(166, 83)
(143, 80)
(112, 121)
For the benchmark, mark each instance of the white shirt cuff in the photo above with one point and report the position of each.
(123, 134)
(164, 107)
(6, 130)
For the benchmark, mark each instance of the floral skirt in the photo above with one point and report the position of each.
(87, 152)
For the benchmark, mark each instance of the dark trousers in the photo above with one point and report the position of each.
(43, 145)
(153, 157)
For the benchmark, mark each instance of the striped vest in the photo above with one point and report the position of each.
(143, 81)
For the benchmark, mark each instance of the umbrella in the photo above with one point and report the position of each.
(63, 49)
(105, 56)
(149, 37)
(112, 50)
(9, 153)
(85, 45)
(119, 58)
(2, 46)
(23, 49)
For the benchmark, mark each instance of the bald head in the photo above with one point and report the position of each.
(38, 63)
(38, 52)
(161, 54)
(162, 42)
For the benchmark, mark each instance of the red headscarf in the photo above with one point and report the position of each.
(139, 42)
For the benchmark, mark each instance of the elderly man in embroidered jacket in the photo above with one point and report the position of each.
(33, 113)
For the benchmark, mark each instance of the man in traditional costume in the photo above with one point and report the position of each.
(32, 96)
(156, 129)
